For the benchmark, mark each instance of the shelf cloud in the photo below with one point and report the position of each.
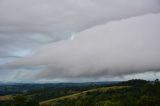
(78, 38)
(116, 48)
(32, 23)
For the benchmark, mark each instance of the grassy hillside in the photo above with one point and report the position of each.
(42, 92)
(5, 98)
(137, 93)
(54, 102)
(127, 93)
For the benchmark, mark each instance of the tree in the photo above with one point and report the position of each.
(109, 103)
(146, 101)
(31, 102)
(21, 100)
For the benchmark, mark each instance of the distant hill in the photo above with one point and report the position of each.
(7, 88)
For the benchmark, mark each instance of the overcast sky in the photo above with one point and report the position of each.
(84, 40)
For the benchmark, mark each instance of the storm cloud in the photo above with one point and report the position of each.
(116, 48)
(32, 23)
(78, 38)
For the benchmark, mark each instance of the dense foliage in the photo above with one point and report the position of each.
(21, 100)
(139, 93)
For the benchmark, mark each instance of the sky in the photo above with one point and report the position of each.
(79, 40)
